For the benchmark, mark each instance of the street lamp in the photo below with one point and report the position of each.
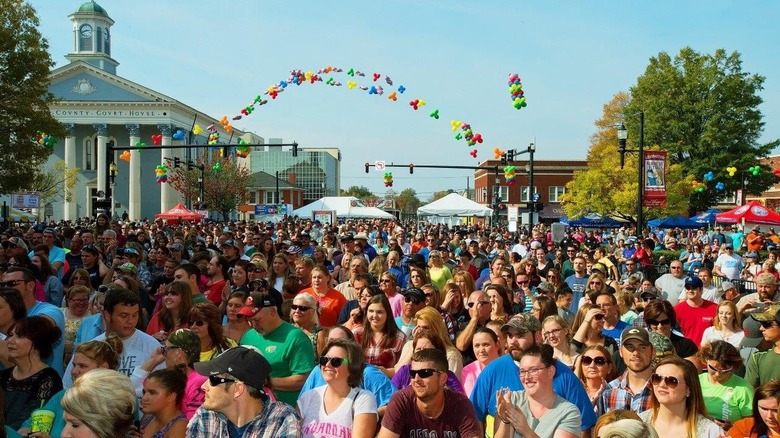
(622, 134)
(112, 171)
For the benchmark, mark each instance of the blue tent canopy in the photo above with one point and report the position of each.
(674, 222)
(708, 217)
(592, 220)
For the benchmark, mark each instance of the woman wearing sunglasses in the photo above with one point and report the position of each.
(236, 325)
(660, 317)
(728, 397)
(589, 323)
(339, 404)
(180, 352)
(304, 314)
(536, 410)
(205, 321)
(764, 422)
(595, 369)
(174, 312)
(677, 403)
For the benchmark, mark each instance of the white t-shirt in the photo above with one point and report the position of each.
(712, 293)
(671, 286)
(705, 428)
(137, 349)
(316, 423)
(730, 265)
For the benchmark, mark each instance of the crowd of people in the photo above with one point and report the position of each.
(386, 328)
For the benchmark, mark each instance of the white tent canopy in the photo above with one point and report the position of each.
(454, 205)
(345, 207)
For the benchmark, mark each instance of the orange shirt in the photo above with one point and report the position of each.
(754, 242)
(330, 305)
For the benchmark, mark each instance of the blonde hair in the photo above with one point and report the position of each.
(104, 400)
(737, 316)
(435, 323)
(627, 428)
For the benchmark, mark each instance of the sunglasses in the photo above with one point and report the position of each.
(197, 323)
(408, 299)
(335, 362)
(481, 303)
(722, 371)
(301, 308)
(164, 349)
(423, 373)
(216, 380)
(658, 322)
(764, 324)
(598, 316)
(600, 360)
(670, 381)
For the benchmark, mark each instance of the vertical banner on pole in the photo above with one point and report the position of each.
(655, 179)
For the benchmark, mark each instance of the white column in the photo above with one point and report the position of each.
(102, 155)
(135, 173)
(70, 210)
(166, 191)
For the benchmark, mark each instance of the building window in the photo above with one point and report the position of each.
(503, 192)
(556, 192)
(524, 197)
(99, 40)
(107, 43)
(88, 154)
(270, 197)
(730, 198)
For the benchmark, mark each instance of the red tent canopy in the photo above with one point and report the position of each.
(753, 212)
(179, 213)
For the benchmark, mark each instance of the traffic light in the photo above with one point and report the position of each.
(295, 149)
(538, 206)
(510, 155)
(190, 164)
(503, 158)
(367, 167)
(411, 168)
(176, 162)
(224, 152)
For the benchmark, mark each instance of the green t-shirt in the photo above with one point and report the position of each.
(732, 401)
(762, 367)
(200, 298)
(288, 350)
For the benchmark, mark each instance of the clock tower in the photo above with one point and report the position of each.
(92, 37)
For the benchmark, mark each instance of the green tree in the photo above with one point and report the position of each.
(50, 183)
(24, 97)
(607, 189)
(360, 192)
(224, 184)
(703, 110)
(407, 201)
(440, 194)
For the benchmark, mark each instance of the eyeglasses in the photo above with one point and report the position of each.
(80, 300)
(216, 380)
(670, 381)
(408, 299)
(552, 332)
(423, 373)
(11, 283)
(301, 308)
(652, 322)
(385, 280)
(197, 323)
(164, 349)
(675, 267)
(721, 371)
(335, 362)
(531, 372)
(600, 361)
(481, 303)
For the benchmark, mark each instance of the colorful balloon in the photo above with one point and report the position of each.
(178, 135)
(157, 139)
(731, 170)
(755, 170)
(125, 156)
(197, 130)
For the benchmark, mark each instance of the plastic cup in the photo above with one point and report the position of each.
(42, 420)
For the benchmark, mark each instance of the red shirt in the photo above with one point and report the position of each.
(214, 292)
(330, 305)
(694, 320)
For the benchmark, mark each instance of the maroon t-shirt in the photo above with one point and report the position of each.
(457, 420)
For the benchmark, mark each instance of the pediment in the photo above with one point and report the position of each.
(81, 82)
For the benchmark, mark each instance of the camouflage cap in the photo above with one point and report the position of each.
(522, 323)
(769, 314)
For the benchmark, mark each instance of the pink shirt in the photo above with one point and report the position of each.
(193, 394)
(468, 376)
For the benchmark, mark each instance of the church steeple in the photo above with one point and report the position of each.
(92, 37)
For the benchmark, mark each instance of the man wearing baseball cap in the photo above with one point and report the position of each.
(522, 331)
(235, 404)
(766, 292)
(631, 391)
(764, 366)
(287, 348)
(695, 314)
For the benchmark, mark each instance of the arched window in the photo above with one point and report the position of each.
(107, 42)
(88, 154)
(99, 39)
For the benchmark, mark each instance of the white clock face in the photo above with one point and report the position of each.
(86, 31)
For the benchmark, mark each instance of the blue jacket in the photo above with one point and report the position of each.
(503, 373)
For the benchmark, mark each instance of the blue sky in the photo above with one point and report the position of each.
(456, 55)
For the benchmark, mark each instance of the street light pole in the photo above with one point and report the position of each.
(622, 134)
